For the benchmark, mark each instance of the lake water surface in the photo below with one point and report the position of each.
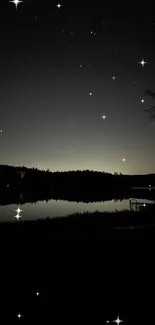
(59, 208)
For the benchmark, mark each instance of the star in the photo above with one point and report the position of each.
(17, 216)
(80, 65)
(118, 321)
(113, 78)
(142, 100)
(90, 94)
(16, 2)
(103, 116)
(1, 131)
(37, 293)
(18, 210)
(123, 159)
(19, 315)
(59, 5)
(142, 62)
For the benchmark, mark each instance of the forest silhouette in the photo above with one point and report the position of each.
(23, 177)
(19, 185)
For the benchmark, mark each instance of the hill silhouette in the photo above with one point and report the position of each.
(86, 180)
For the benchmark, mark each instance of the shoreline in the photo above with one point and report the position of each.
(94, 226)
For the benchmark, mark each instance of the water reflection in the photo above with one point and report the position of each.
(31, 205)
(18, 216)
(59, 208)
(137, 204)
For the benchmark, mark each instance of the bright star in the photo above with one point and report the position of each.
(19, 315)
(90, 94)
(16, 2)
(17, 216)
(1, 131)
(142, 100)
(113, 78)
(59, 5)
(103, 116)
(123, 159)
(118, 321)
(37, 293)
(142, 62)
(18, 210)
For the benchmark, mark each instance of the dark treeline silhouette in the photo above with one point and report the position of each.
(32, 178)
(19, 185)
(22, 177)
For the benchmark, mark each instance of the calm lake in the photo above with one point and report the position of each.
(59, 208)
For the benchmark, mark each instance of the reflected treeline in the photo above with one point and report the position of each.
(25, 185)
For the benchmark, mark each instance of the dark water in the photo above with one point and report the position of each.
(61, 208)
(87, 284)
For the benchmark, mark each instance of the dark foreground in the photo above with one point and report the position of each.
(92, 226)
(86, 268)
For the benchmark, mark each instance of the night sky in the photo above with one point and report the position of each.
(72, 93)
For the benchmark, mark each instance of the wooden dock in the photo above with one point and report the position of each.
(150, 188)
(135, 205)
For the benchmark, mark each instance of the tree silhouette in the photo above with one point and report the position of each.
(152, 109)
